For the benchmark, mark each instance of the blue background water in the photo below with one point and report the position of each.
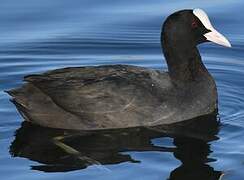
(42, 35)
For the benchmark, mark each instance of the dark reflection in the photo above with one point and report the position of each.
(65, 150)
(193, 153)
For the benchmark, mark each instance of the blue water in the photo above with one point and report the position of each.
(42, 35)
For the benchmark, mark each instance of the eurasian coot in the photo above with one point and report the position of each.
(121, 96)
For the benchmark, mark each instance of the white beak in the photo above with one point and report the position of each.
(213, 35)
(216, 37)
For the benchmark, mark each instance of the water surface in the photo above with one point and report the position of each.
(43, 35)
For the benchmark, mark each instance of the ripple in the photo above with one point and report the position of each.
(228, 73)
(40, 36)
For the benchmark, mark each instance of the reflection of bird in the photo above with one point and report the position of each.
(61, 150)
(193, 154)
(120, 96)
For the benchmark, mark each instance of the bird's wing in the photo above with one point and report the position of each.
(96, 90)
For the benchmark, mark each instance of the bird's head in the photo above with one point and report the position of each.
(191, 27)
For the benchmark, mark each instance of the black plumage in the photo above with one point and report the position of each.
(121, 96)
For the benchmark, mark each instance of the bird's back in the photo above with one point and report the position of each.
(100, 97)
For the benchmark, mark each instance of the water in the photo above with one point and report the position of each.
(42, 35)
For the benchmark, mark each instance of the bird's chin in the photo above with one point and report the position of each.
(202, 40)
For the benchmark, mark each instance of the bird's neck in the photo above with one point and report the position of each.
(184, 62)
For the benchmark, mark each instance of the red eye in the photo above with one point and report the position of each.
(194, 24)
